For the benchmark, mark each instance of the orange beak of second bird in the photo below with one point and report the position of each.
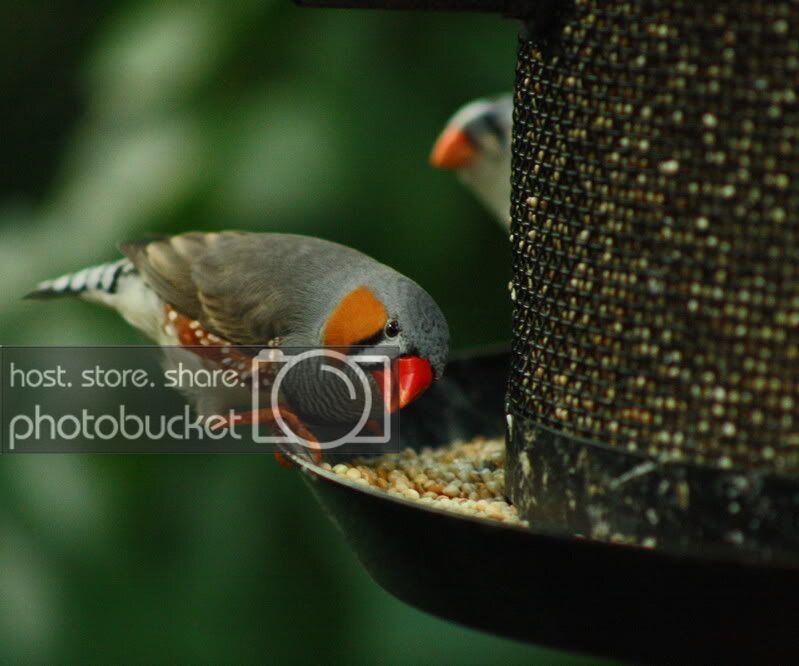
(453, 149)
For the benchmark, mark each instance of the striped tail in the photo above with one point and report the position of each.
(94, 281)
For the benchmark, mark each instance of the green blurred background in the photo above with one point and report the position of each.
(132, 117)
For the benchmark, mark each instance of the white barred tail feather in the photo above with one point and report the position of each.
(116, 285)
(103, 278)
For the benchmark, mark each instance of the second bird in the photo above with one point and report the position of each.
(476, 144)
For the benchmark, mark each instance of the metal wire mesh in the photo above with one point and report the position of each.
(655, 230)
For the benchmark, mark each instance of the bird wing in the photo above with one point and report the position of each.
(224, 280)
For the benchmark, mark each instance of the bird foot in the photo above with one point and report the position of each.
(268, 416)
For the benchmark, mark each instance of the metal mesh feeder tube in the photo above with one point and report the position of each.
(654, 390)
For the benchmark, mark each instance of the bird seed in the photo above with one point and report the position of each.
(464, 477)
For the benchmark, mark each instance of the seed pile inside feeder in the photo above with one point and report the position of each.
(465, 477)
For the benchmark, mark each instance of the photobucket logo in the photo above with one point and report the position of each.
(330, 362)
(122, 425)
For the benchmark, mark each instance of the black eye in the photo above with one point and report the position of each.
(392, 328)
(491, 123)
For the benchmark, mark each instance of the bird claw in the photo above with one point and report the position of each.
(268, 416)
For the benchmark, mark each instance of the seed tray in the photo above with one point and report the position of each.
(539, 586)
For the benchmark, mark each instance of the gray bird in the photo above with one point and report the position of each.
(476, 144)
(279, 291)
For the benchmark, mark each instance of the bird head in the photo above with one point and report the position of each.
(476, 144)
(389, 314)
(477, 132)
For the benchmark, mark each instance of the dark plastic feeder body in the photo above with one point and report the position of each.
(652, 403)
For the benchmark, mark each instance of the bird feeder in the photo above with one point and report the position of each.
(652, 401)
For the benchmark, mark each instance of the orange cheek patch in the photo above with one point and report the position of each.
(358, 316)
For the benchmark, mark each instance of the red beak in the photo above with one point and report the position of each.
(411, 377)
(414, 376)
(453, 149)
